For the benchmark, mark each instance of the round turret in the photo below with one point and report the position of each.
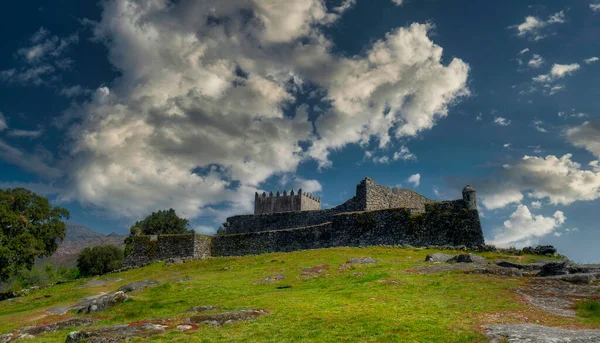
(469, 197)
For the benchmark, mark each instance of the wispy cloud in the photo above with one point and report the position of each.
(536, 28)
(415, 179)
(591, 59)
(501, 121)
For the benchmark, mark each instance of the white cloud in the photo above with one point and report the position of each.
(536, 28)
(586, 135)
(415, 179)
(538, 126)
(197, 117)
(36, 162)
(381, 160)
(536, 61)
(559, 180)
(404, 154)
(523, 51)
(3, 124)
(399, 2)
(595, 7)
(74, 91)
(591, 59)
(41, 59)
(501, 121)
(224, 86)
(506, 145)
(522, 227)
(25, 133)
(558, 71)
(479, 117)
(536, 204)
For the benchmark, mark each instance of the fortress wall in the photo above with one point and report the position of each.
(448, 223)
(146, 249)
(377, 197)
(309, 203)
(288, 220)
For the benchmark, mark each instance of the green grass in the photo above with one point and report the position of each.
(354, 306)
(589, 309)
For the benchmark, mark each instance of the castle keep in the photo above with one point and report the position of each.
(375, 215)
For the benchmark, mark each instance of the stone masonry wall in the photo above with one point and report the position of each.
(146, 249)
(458, 226)
(277, 203)
(377, 197)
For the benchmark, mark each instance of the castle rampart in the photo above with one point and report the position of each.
(284, 202)
(376, 215)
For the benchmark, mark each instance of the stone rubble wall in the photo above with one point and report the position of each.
(268, 204)
(379, 197)
(458, 226)
(146, 249)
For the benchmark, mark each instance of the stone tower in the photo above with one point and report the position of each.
(469, 197)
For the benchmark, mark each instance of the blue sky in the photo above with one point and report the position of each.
(119, 108)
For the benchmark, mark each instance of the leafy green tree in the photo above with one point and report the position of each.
(99, 260)
(29, 228)
(162, 222)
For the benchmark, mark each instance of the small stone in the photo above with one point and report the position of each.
(184, 327)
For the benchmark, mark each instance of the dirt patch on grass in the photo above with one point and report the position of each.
(314, 272)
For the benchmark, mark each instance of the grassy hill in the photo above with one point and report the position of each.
(389, 301)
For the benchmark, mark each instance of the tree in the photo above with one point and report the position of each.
(162, 222)
(100, 260)
(29, 227)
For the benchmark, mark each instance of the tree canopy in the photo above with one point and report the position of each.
(162, 222)
(29, 228)
(100, 260)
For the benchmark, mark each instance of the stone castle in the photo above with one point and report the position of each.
(375, 215)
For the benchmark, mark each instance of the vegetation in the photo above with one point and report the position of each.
(100, 260)
(37, 276)
(589, 309)
(383, 302)
(162, 222)
(29, 227)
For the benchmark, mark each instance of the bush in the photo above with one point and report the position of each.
(100, 260)
(25, 278)
(161, 223)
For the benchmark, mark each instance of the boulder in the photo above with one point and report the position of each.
(219, 319)
(470, 258)
(555, 268)
(99, 303)
(531, 267)
(136, 286)
(530, 333)
(439, 257)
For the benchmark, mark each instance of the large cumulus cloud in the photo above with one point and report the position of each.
(206, 107)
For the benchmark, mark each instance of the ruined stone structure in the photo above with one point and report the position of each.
(285, 202)
(376, 215)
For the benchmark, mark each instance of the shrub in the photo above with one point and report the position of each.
(100, 260)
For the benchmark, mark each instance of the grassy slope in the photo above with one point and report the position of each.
(448, 307)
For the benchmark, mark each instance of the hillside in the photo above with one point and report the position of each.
(77, 238)
(323, 295)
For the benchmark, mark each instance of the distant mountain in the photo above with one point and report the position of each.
(77, 238)
(76, 233)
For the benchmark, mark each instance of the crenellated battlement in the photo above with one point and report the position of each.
(285, 202)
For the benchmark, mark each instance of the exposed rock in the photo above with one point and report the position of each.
(555, 296)
(470, 258)
(362, 260)
(555, 268)
(496, 270)
(60, 309)
(581, 278)
(115, 333)
(32, 331)
(541, 250)
(184, 327)
(203, 308)
(529, 333)
(99, 303)
(314, 272)
(136, 286)
(271, 279)
(344, 267)
(531, 267)
(219, 319)
(439, 257)
(228, 268)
